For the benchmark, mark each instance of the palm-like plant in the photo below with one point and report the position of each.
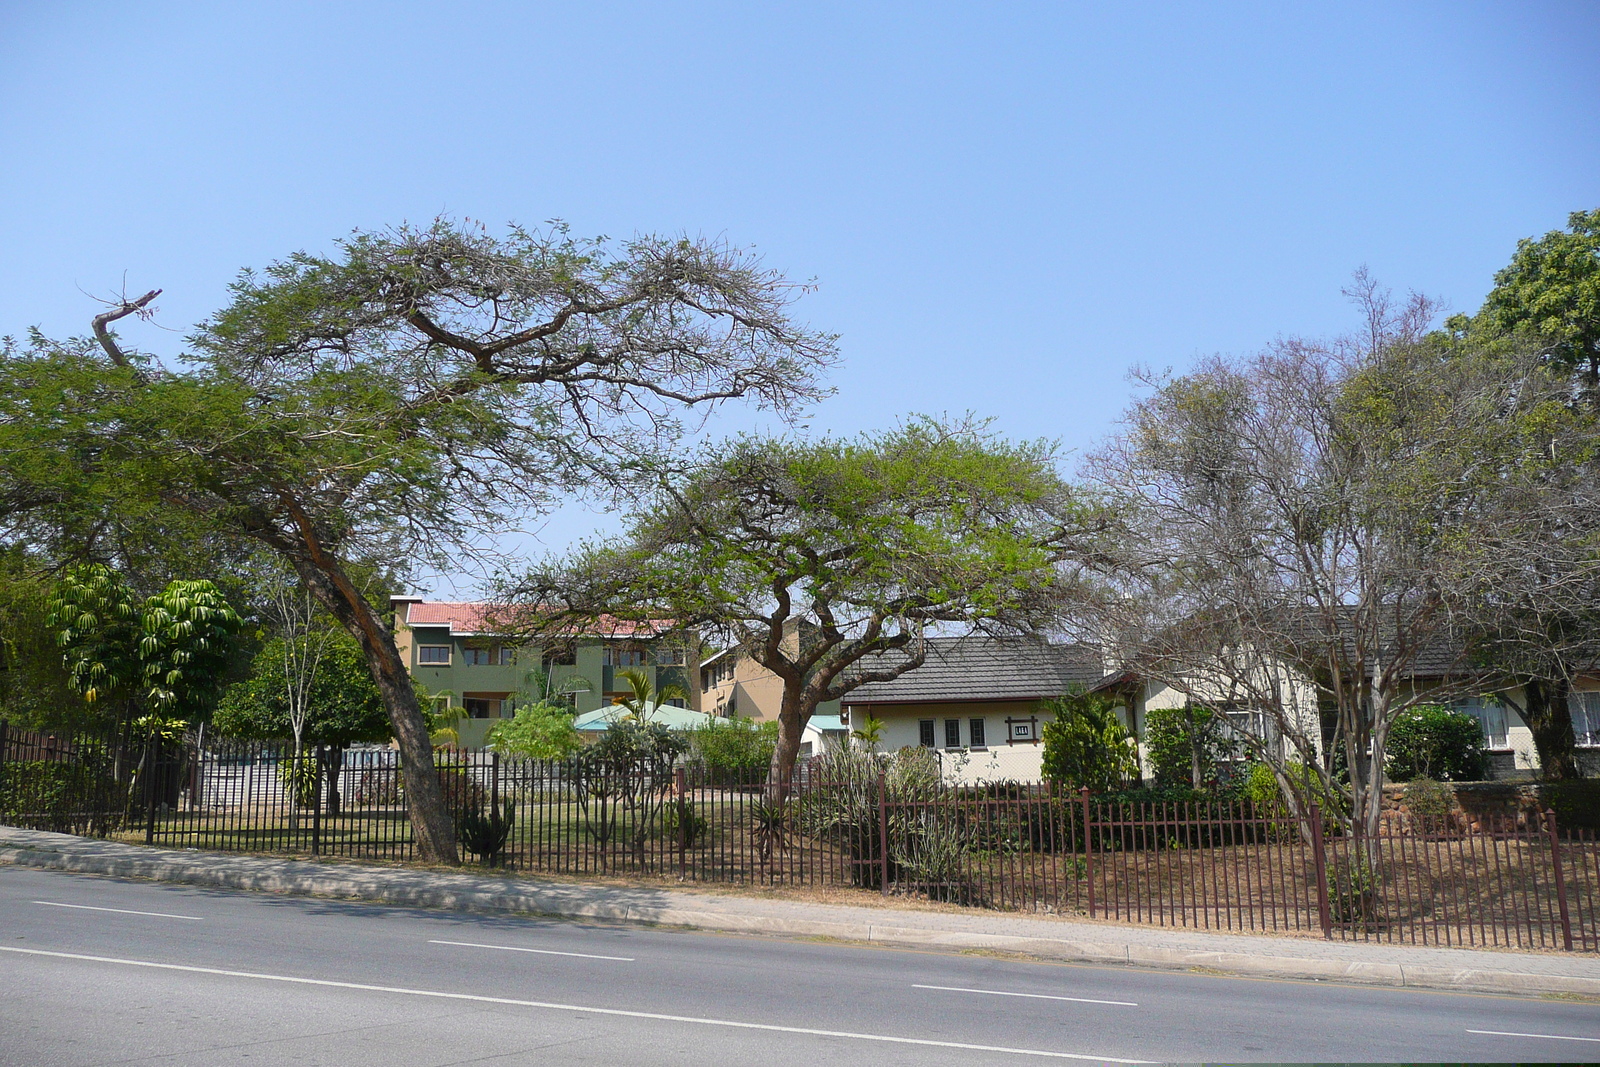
(645, 697)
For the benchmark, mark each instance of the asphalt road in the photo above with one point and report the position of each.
(98, 971)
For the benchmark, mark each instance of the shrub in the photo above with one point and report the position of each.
(485, 835)
(735, 745)
(1087, 745)
(1181, 740)
(1429, 799)
(690, 824)
(1430, 741)
(71, 798)
(539, 731)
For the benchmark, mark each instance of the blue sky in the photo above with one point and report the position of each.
(1005, 206)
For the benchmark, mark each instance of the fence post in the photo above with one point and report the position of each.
(316, 800)
(1561, 882)
(1319, 860)
(883, 835)
(681, 786)
(1088, 848)
(150, 790)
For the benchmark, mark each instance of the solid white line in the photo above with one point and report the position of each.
(584, 1008)
(122, 911)
(540, 951)
(1034, 996)
(1547, 1037)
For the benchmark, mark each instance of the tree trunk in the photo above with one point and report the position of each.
(332, 764)
(793, 714)
(1550, 720)
(431, 823)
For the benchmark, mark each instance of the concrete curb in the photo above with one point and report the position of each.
(492, 895)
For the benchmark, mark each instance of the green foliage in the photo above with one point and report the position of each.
(682, 821)
(1261, 788)
(537, 731)
(736, 745)
(1429, 799)
(485, 835)
(76, 796)
(1430, 741)
(97, 624)
(629, 742)
(35, 689)
(870, 733)
(1087, 746)
(1551, 289)
(343, 704)
(186, 644)
(933, 522)
(171, 654)
(1177, 738)
(299, 774)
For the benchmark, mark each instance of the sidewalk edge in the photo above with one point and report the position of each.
(369, 886)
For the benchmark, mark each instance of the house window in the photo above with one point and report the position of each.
(482, 707)
(925, 732)
(624, 656)
(562, 655)
(435, 654)
(1585, 709)
(669, 655)
(477, 657)
(505, 656)
(1491, 715)
(952, 733)
(976, 728)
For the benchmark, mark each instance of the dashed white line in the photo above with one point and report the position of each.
(540, 951)
(1032, 996)
(121, 911)
(586, 1009)
(1546, 1037)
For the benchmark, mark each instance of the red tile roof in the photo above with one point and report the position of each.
(479, 618)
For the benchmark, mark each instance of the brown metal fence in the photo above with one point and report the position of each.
(1223, 865)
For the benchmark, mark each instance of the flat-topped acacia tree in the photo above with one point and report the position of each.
(817, 557)
(403, 399)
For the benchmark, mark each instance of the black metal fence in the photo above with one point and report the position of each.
(1517, 882)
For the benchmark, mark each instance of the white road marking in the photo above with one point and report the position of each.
(540, 951)
(121, 911)
(583, 1008)
(1547, 1037)
(1033, 996)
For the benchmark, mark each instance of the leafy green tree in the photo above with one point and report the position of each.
(168, 656)
(1432, 741)
(1551, 289)
(826, 560)
(343, 706)
(405, 398)
(35, 689)
(1186, 745)
(1086, 745)
(736, 745)
(539, 731)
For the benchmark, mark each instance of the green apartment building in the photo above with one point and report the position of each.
(451, 651)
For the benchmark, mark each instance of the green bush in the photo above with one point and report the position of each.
(1429, 799)
(540, 731)
(690, 824)
(62, 797)
(485, 835)
(735, 745)
(1430, 741)
(1087, 746)
(1177, 739)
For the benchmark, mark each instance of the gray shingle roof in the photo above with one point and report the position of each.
(984, 668)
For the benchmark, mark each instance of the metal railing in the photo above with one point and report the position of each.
(1518, 882)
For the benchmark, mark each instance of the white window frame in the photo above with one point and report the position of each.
(424, 661)
(1584, 707)
(1485, 710)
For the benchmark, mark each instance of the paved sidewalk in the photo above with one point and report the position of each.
(1045, 937)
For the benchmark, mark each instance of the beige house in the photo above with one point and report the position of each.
(978, 701)
(734, 685)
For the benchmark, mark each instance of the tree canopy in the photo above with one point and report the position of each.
(343, 705)
(403, 399)
(827, 559)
